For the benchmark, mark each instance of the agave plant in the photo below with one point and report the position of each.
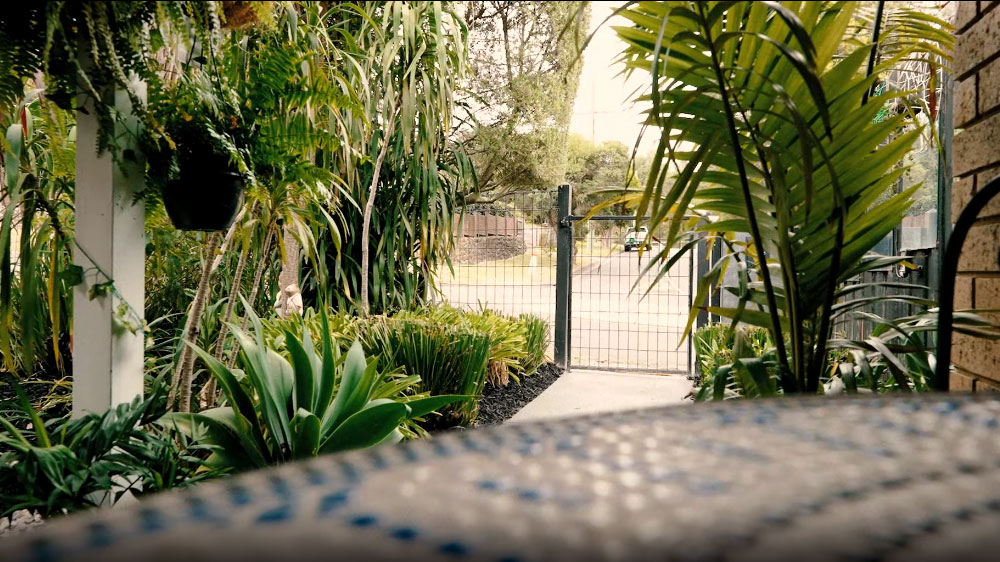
(314, 402)
(767, 126)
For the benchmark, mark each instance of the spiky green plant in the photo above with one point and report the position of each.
(311, 403)
(448, 358)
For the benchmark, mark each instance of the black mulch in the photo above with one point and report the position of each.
(499, 403)
(37, 388)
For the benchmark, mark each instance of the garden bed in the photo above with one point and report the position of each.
(43, 391)
(500, 403)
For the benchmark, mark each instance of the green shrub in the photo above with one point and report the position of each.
(734, 362)
(536, 342)
(450, 358)
(439, 343)
(317, 402)
(343, 328)
(517, 345)
(65, 465)
(507, 344)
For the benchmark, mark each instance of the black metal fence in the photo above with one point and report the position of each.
(620, 318)
(505, 256)
(527, 253)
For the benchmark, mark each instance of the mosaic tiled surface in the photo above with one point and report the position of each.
(814, 479)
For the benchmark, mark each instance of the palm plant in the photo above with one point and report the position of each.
(762, 116)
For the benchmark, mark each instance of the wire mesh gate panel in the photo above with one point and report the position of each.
(505, 257)
(612, 315)
(620, 316)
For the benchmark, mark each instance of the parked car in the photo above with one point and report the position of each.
(634, 238)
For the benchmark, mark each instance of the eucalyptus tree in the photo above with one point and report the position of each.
(524, 69)
(761, 108)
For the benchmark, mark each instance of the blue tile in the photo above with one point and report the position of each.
(279, 514)
(364, 521)
(404, 533)
(454, 549)
(331, 502)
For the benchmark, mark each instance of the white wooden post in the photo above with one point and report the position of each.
(107, 363)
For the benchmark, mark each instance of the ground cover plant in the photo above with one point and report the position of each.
(55, 465)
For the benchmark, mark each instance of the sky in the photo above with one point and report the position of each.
(602, 111)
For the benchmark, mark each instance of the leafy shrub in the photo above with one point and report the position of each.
(449, 358)
(507, 344)
(314, 403)
(517, 345)
(344, 328)
(432, 342)
(536, 342)
(65, 465)
(734, 362)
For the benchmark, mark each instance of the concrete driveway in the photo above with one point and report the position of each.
(583, 391)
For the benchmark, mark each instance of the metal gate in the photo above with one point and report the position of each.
(528, 253)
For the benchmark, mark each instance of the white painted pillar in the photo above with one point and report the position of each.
(107, 361)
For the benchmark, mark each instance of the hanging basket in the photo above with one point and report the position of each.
(206, 200)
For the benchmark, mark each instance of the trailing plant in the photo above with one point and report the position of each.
(63, 465)
(195, 123)
(312, 402)
(95, 47)
(770, 125)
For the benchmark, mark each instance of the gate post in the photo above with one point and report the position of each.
(564, 276)
(705, 262)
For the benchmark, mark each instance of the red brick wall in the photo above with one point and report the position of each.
(976, 161)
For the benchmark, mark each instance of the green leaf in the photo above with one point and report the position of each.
(351, 396)
(367, 427)
(305, 434)
(422, 406)
(72, 275)
(305, 383)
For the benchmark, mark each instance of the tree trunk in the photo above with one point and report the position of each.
(255, 288)
(208, 392)
(182, 377)
(291, 265)
(216, 247)
(369, 205)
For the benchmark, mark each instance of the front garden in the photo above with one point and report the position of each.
(298, 167)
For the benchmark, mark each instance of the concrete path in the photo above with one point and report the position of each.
(582, 391)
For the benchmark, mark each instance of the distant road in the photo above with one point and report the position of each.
(612, 324)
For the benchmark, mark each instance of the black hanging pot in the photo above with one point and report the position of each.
(207, 196)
